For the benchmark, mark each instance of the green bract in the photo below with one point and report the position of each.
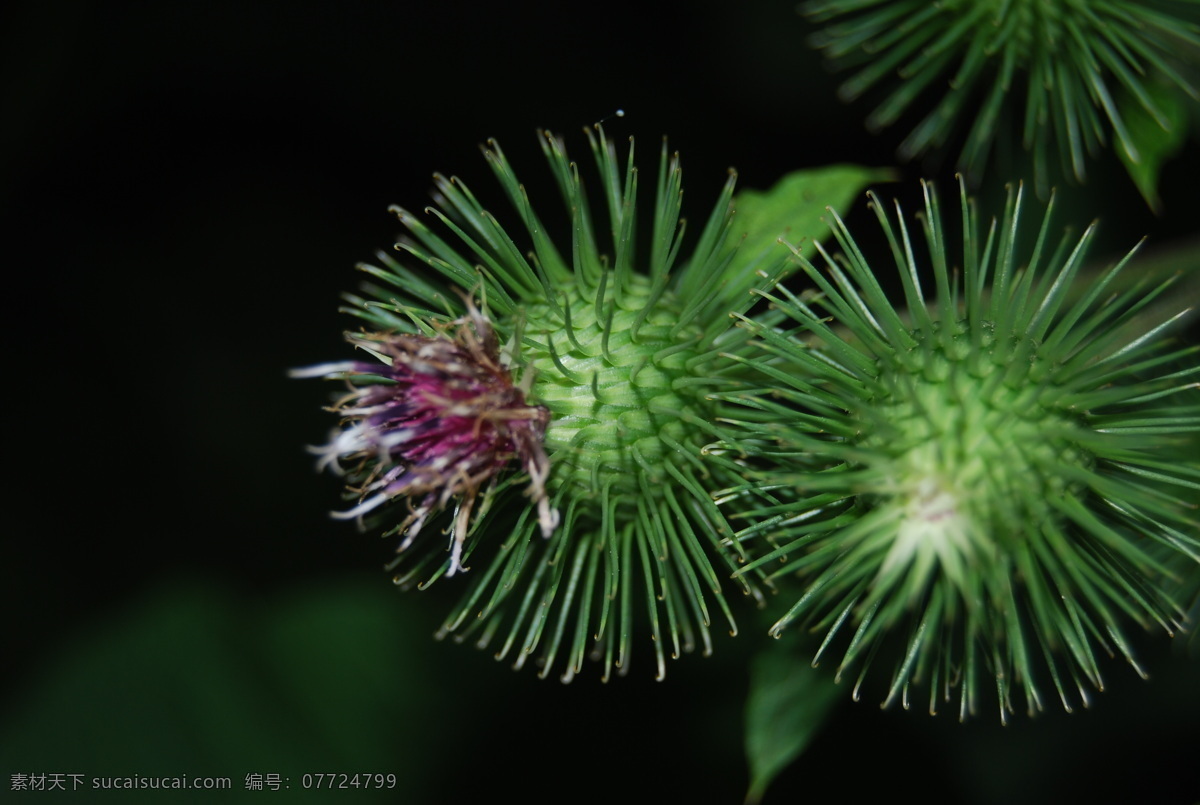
(624, 353)
(1063, 76)
(986, 488)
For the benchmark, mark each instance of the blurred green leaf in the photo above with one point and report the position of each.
(794, 208)
(789, 703)
(1153, 143)
(197, 681)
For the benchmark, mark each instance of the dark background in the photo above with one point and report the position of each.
(185, 189)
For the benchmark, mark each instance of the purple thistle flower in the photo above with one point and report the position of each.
(438, 419)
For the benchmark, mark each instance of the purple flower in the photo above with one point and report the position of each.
(437, 419)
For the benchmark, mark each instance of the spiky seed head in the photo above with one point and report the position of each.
(1059, 76)
(623, 351)
(988, 487)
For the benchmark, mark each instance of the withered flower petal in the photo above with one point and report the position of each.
(436, 419)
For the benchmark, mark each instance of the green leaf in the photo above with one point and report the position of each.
(793, 209)
(1151, 144)
(788, 704)
(196, 681)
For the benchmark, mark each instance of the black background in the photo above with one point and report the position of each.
(185, 189)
